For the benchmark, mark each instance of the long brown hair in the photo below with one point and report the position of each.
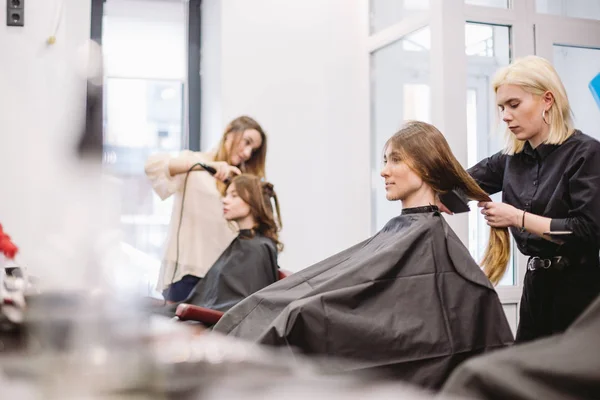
(236, 128)
(258, 195)
(425, 150)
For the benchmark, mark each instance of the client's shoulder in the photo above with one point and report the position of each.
(258, 240)
(420, 221)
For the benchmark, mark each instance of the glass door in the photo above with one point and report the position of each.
(573, 47)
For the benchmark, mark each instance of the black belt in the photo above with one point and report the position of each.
(557, 263)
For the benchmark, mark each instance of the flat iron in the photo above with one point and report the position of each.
(455, 201)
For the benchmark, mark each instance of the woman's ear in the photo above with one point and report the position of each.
(548, 99)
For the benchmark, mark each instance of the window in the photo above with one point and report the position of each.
(385, 13)
(399, 91)
(144, 45)
(589, 9)
(577, 66)
(489, 3)
(487, 48)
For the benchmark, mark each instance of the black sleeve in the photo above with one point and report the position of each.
(489, 172)
(584, 190)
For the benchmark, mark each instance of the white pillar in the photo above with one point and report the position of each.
(449, 85)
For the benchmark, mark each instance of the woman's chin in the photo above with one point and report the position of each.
(522, 136)
(391, 196)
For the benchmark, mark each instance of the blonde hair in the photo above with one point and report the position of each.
(537, 76)
(425, 150)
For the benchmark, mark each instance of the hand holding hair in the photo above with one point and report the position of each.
(500, 215)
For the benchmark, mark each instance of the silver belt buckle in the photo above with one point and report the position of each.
(531, 263)
(546, 263)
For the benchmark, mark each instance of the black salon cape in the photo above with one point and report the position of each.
(409, 302)
(565, 367)
(247, 265)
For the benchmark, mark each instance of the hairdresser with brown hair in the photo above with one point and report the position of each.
(549, 175)
(198, 233)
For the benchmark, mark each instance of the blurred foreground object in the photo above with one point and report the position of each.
(91, 140)
(562, 367)
(14, 287)
(7, 247)
(187, 366)
(13, 284)
(81, 336)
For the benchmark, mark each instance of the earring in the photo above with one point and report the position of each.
(544, 116)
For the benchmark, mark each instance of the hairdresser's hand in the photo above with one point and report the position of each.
(500, 215)
(224, 170)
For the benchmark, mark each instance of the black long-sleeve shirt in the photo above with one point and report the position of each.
(561, 182)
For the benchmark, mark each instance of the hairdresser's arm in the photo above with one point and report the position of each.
(583, 217)
(489, 172)
(182, 165)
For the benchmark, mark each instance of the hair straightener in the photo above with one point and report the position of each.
(210, 170)
(455, 201)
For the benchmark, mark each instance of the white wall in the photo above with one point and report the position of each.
(52, 204)
(40, 97)
(300, 68)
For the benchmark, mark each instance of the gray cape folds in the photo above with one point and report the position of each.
(247, 265)
(561, 367)
(409, 302)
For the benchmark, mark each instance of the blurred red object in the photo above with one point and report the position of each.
(7, 246)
